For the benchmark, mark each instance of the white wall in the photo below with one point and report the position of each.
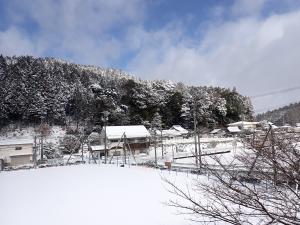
(10, 150)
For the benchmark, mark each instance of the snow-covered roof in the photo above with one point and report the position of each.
(242, 123)
(16, 142)
(215, 131)
(133, 131)
(286, 126)
(168, 133)
(274, 127)
(297, 129)
(233, 129)
(180, 129)
(97, 147)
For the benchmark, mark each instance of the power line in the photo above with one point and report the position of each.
(276, 92)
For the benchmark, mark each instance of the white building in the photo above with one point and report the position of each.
(179, 129)
(234, 129)
(244, 125)
(174, 132)
(16, 152)
(137, 137)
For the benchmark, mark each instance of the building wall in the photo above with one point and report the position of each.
(249, 127)
(137, 145)
(20, 160)
(6, 151)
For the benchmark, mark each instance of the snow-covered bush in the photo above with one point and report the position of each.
(70, 144)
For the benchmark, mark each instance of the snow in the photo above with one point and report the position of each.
(180, 129)
(167, 133)
(88, 194)
(242, 123)
(16, 142)
(137, 131)
(27, 134)
(97, 147)
(233, 129)
(215, 131)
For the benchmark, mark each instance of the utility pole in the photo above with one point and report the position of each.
(162, 146)
(105, 137)
(34, 152)
(274, 160)
(172, 152)
(195, 137)
(155, 154)
(200, 152)
(124, 149)
(42, 149)
(105, 150)
(82, 159)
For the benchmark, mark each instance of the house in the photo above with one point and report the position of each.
(137, 137)
(167, 134)
(113, 149)
(16, 152)
(234, 129)
(265, 125)
(179, 129)
(244, 125)
(217, 132)
(174, 132)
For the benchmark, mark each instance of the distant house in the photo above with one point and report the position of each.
(233, 129)
(265, 125)
(167, 134)
(217, 132)
(179, 129)
(174, 131)
(137, 137)
(16, 152)
(244, 125)
(113, 149)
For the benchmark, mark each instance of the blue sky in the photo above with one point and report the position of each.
(253, 45)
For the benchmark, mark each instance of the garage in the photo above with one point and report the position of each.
(18, 160)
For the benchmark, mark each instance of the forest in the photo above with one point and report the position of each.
(35, 90)
(289, 114)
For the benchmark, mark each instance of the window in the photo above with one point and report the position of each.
(18, 148)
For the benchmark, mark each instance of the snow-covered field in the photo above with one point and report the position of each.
(88, 194)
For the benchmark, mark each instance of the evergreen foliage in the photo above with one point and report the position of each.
(35, 90)
(289, 114)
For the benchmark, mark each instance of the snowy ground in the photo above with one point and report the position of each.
(88, 194)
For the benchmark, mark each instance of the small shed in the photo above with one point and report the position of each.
(16, 152)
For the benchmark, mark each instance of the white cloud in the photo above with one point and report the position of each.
(255, 55)
(82, 29)
(12, 42)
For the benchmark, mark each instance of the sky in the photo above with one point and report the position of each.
(252, 45)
